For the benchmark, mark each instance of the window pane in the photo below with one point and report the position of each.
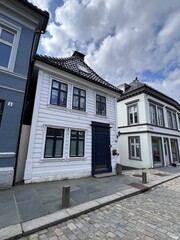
(137, 140)
(62, 101)
(76, 91)
(5, 51)
(75, 101)
(137, 152)
(103, 99)
(73, 148)
(81, 148)
(54, 97)
(81, 134)
(59, 148)
(55, 84)
(132, 151)
(82, 103)
(49, 148)
(50, 132)
(131, 118)
(97, 97)
(135, 117)
(83, 94)
(64, 87)
(7, 36)
(59, 132)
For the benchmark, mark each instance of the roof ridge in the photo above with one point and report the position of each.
(70, 64)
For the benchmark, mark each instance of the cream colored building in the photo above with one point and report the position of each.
(148, 127)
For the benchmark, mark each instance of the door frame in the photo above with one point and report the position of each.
(109, 167)
(161, 164)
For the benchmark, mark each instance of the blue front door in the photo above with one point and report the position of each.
(101, 156)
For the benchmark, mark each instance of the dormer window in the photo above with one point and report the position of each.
(83, 68)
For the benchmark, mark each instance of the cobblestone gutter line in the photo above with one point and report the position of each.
(26, 228)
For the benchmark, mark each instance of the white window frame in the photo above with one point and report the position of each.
(133, 114)
(16, 31)
(136, 145)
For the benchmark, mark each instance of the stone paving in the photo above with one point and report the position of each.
(151, 215)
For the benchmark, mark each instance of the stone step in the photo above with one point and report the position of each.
(101, 175)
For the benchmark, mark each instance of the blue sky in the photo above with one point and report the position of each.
(122, 39)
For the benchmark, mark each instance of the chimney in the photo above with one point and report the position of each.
(78, 54)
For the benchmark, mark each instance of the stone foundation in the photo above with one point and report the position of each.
(6, 177)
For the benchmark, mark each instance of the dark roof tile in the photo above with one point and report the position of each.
(70, 64)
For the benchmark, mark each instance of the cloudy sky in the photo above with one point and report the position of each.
(122, 39)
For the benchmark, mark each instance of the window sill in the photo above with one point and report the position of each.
(62, 159)
(57, 107)
(78, 111)
(101, 116)
(135, 159)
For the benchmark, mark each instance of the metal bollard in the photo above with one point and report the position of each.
(66, 196)
(144, 177)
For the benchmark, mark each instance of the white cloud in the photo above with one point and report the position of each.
(121, 38)
(42, 4)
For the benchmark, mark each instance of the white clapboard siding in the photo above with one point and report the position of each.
(46, 115)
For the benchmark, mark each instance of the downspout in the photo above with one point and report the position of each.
(31, 64)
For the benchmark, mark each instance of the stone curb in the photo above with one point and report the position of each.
(26, 228)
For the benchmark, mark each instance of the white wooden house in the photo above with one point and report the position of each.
(73, 128)
(149, 131)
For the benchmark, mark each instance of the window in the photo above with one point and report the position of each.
(77, 143)
(169, 117)
(132, 114)
(160, 117)
(79, 99)
(134, 148)
(179, 120)
(1, 109)
(54, 143)
(59, 93)
(100, 105)
(172, 121)
(153, 114)
(9, 37)
(156, 115)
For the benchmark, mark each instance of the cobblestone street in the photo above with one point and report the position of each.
(152, 215)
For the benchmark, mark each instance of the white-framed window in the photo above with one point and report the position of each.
(100, 105)
(134, 148)
(156, 115)
(58, 93)
(79, 99)
(132, 114)
(9, 40)
(172, 121)
(160, 116)
(54, 143)
(77, 143)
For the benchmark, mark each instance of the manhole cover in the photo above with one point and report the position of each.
(137, 185)
(137, 175)
(161, 174)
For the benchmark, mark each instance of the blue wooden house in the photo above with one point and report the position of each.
(21, 25)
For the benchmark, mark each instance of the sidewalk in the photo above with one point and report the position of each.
(27, 208)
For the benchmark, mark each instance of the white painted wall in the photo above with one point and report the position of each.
(45, 115)
(145, 131)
